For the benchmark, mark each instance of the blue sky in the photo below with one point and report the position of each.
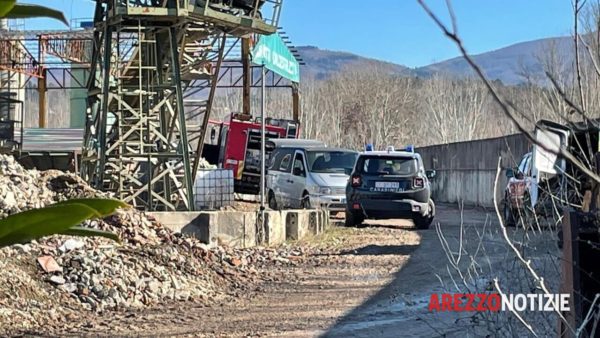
(398, 30)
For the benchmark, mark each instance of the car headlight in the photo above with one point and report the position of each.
(325, 190)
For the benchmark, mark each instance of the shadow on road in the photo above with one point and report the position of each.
(388, 226)
(377, 250)
(385, 314)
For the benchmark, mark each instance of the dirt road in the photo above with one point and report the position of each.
(373, 281)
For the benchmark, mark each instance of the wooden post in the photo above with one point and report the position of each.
(569, 275)
(246, 76)
(42, 90)
(296, 102)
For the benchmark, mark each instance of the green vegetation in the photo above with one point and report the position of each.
(61, 218)
(10, 9)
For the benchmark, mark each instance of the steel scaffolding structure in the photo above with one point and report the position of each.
(144, 136)
(139, 114)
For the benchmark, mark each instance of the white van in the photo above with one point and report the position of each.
(307, 173)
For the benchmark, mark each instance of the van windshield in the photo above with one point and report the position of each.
(388, 166)
(331, 161)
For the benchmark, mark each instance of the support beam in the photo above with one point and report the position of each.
(246, 77)
(296, 102)
(42, 90)
(146, 122)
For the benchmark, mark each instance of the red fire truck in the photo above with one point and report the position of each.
(235, 145)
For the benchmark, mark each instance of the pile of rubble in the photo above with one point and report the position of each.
(22, 189)
(56, 276)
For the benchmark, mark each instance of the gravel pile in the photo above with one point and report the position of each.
(51, 280)
(22, 189)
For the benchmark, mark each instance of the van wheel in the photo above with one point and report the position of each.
(305, 203)
(272, 201)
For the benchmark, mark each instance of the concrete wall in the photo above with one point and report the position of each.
(241, 229)
(466, 170)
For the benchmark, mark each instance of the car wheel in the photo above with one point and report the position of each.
(353, 220)
(422, 222)
(272, 201)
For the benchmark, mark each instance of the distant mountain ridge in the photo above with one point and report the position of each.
(322, 63)
(507, 64)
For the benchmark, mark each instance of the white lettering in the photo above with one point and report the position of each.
(545, 302)
(548, 306)
(531, 297)
(520, 302)
(564, 302)
(508, 303)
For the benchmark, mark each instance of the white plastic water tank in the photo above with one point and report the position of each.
(213, 189)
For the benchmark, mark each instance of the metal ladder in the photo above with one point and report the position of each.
(153, 79)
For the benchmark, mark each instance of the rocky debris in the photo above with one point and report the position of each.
(48, 264)
(71, 244)
(22, 189)
(152, 265)
(58, 280)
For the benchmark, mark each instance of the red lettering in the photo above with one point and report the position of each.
(470, 299)
(434, 303)
(457, 299)
(481, 305)
(494, 302)
(446, 302)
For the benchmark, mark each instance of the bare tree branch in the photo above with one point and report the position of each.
(503, 105)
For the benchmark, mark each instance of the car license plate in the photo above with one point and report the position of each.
(387, 185)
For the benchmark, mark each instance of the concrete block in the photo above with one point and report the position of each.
(236, 229)
(313, 222)
(188, 223)
(241, 229)
(274, 228)
(233, 228)
(318, 221)
(293, 229)
(303, 223)
(326, 220)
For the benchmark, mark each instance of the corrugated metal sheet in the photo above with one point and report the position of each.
(466, 170)
(49, 139)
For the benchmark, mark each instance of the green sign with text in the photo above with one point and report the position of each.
(272, 52)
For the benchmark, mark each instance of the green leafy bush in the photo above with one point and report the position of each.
(61, 218)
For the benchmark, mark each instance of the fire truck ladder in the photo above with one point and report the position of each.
(143, 140)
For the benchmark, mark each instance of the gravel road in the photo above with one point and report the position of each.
(373, 281)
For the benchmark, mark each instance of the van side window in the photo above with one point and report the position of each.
(275, 157)
(299, 165)
(285, 163)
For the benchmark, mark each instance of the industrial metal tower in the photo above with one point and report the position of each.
(144, 132)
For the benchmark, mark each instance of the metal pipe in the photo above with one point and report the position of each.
(262, 144)
(42, 91)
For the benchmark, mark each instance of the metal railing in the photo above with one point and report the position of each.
(267, 11)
